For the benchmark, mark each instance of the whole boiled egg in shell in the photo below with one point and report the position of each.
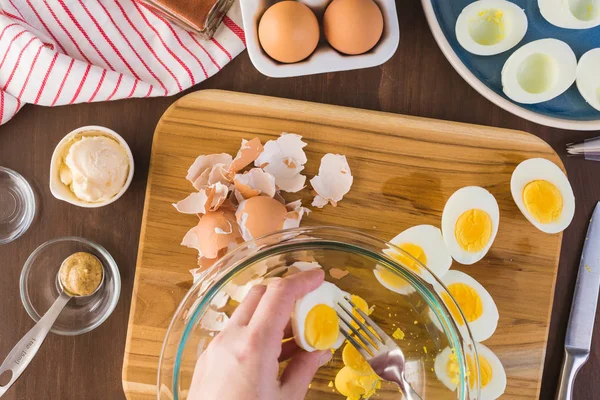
(476, 304)
(492, 376)
(421, 245)
(544, 195)
(315, 323)
(488, 27)
(470, 223)
(539, 71)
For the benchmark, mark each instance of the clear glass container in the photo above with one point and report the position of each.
(39, 286)
(419, 312)
(17, 205)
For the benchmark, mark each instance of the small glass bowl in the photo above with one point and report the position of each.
(418, 310)
(17, 205)
(39, 286)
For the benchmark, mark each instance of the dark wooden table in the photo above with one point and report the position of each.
(416, 81)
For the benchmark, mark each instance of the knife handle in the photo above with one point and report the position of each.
(571, 365)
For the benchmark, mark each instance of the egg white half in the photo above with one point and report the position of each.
(536, 169)
(404, 289)
(588, 77)
(429, 239)
(494, 388)
(327, 294)
(464, 199)
(539, 71)
(484, 326)
(488, 27)
(571, 14)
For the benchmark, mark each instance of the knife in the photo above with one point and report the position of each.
(583, 309)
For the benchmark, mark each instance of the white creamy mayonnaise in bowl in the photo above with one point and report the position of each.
(91, 167)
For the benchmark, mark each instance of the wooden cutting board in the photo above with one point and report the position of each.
(404, 167)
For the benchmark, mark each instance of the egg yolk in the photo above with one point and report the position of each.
(362, 305)
(485, 370)
(473, 230)
(487, 27)
(353, 359)
(391, 278)
(467, 298)
(414, 250)
(352, 385)
(321, 327)
(543, 201)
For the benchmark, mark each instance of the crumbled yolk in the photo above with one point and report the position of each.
(467, 298)
(487, 28)
(543, 201)
(473, 230)
(398, 334)
(321, 327)
(452, 368)
(354, 360)
(414, 250)
(348, 383)
(485, 370)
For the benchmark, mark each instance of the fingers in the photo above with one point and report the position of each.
(288, 349)
(243, 313)
(274, 310)
(300, 372)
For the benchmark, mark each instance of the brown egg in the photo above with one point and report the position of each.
(288, 31)
(215, 231)
(259, 216)
(353, 26)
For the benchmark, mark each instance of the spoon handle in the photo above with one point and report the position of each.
(24, 351)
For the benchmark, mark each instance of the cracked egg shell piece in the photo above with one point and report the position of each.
(294, 214)
(207, 199)
(255, 182)
(260, 215)
(206, 162)
(249, 151)
(333, 181)
(215, 231)
(284, 158)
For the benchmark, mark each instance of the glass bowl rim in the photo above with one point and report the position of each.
(261, 246)
(30, 206)
(112, 265)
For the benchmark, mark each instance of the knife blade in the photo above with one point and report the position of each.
(578, 340)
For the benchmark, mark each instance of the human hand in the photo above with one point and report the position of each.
(242, 361)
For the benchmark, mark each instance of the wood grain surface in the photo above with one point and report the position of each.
(404, 168)
(417, 80)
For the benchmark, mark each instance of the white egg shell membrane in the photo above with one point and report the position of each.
(488, 27)
(328, 294)
(439, 366)
(588, 77)
(571, 14)
(284, 158)
(542, 169)
(429, 238)
(485, 326)
(467, 198)
(496, 386)
(333, 181)
(405, 290)
(539, 71)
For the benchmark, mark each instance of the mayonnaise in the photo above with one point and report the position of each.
(95, 168)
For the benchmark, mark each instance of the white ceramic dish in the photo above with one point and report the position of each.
(61, 191)
(325, 58)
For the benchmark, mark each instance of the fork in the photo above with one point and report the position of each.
(381, 351)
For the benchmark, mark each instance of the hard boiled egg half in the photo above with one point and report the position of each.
(315, 323)
(492, 377)
(476, 304)
(543, 194)
(571, 14)
(470, 223)
(588, 77)
(488, 27)
(422, 245)
(539, 71)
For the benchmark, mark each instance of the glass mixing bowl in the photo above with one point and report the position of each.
(418, 310)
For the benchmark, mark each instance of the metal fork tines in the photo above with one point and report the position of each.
(378, 348)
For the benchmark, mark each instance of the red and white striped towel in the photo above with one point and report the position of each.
(55, 52)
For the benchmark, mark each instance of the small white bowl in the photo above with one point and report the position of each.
(324, 58)
(62, 191)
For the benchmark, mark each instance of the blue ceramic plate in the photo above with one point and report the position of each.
(568, 111)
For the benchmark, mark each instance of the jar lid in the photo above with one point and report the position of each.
(17, 205)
